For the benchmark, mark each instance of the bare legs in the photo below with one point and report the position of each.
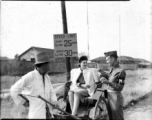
(74, 102)
(71, 99)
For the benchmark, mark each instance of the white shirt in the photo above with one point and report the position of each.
(90, 77)
(32, 84)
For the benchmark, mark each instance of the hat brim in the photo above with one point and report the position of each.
(111, 53)
(41, 62)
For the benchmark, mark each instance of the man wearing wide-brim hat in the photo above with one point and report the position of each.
(36, 82)
(115, 82)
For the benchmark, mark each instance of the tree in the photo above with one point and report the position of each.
(16, 56)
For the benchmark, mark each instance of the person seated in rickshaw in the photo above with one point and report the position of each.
(83, 84)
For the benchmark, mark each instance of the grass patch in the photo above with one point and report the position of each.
(6, 108)
(8, 81)
(58, 78)
(138, 84)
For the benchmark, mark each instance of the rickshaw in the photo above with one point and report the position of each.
(95, 108)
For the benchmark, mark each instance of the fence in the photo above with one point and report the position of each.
(123, 66)
(129, 66)
(18, 68)
(14, 67)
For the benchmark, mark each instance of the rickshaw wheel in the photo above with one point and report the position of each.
(100, 111)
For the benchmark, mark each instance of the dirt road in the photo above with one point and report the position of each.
(141, 111)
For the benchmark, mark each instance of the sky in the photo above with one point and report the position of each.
(100, 26)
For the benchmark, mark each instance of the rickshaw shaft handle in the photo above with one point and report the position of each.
(72, 116)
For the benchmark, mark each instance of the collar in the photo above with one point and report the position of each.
(37, 72)
(84, 69)
(115, 66)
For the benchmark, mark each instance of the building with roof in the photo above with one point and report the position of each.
(122, 60)
(142, 63)
(101, 60)
(126, 62)
(29, 55)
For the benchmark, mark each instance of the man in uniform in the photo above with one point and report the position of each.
(115, 81)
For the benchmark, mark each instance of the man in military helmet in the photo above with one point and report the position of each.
(115, 82)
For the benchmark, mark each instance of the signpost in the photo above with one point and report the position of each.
(65, 31)
(65, 45)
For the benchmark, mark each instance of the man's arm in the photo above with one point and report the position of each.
(53, 96)
(119, 85)
(17, 88)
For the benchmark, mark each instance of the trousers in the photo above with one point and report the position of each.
(115, 103)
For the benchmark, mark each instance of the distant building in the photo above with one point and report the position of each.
(122, 60)
(142, 63)
(29, 55)
(126, 62)
(101, 60)
(139, 60)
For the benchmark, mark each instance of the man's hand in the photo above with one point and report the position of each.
(104, 80)
(56, 104)
(102, 72)
(26, 104)
(87, 86)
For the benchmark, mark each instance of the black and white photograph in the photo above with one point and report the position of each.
(80, 60)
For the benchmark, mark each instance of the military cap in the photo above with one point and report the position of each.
(83, 58)
(110, 53)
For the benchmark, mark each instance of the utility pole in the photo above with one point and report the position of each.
(65, 31)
